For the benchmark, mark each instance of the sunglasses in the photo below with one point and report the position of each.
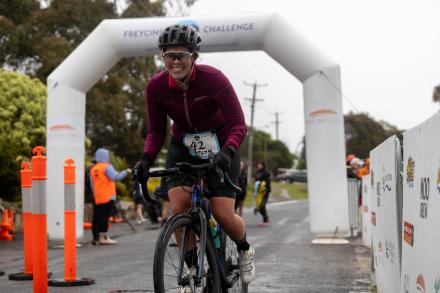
(171, 56)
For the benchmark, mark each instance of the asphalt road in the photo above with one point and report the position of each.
(286, 261)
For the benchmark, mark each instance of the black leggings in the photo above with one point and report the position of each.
(263, 210)
(101, 213)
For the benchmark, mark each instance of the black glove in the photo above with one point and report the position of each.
(142, 168)
(224, 158)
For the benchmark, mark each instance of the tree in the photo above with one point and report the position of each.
(362, 134)
(116, 108)
(37, 40)
(277, 154)
(436, 94)
(22, 121)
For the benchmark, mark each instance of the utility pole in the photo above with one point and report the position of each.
(277, 124)
(265, 153)
(254, 99)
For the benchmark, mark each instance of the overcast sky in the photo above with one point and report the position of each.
(389, 53)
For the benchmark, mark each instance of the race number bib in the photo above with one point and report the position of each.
(201, 144)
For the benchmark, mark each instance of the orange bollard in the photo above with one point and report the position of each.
(11, 221)
(26, 192)
(70, 278)
(39, 220)
(6, 227)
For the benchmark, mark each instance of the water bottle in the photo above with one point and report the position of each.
(215, 233)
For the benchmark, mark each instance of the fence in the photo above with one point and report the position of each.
(353, 208)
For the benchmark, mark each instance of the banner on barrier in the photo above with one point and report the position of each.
(366, 210)
(421, 208)
(384, 214)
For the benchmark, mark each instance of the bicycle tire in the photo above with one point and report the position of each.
(231, 259)
(162, 244)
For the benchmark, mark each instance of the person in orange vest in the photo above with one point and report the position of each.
(102, 178)
(365, 169)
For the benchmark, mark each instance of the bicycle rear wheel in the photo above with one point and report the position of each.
(232, 269)
(167, 258)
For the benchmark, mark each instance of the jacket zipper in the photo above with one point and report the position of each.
(185, 102)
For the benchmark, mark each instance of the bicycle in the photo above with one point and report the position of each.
(215, 266)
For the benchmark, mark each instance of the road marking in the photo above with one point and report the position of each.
(283, 221)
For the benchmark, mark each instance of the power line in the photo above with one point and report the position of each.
(340, 91)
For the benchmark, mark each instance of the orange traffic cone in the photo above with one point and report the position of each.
(6, 227)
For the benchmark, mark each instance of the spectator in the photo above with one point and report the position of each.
(103, 177)
(356, 164)
(162, 194)
(88, 194)
(351, 173)
(139, 207)
(365, 169)
(262, 184)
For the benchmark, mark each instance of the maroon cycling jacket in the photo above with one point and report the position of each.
(210, 103)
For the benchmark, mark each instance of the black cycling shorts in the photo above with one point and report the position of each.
(178, 152)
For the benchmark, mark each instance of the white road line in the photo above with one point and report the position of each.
(283, 221)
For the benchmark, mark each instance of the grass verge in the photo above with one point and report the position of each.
(280, 191)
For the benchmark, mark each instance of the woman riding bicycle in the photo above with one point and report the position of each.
(208, 119)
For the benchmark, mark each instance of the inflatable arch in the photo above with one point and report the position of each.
(119, 38)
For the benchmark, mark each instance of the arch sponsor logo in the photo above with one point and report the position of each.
(61, 127)
(420, 284)
(373, 218)
(322, 112)
(207, 29)
(372, 178)
(142, 33)
(408, 233)
(230, 27)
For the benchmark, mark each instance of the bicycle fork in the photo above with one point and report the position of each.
(202, 246)
(199, 216)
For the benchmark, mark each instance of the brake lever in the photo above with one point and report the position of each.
(219, 171)
(141, 189)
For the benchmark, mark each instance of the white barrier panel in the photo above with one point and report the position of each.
(385, 216)
(421, 208)
(366, 210)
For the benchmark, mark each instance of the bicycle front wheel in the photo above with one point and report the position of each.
(232, 269)
(167, 259)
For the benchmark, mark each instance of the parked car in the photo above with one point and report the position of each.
(292, 175)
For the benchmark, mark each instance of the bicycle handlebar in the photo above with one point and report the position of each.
(183, 168)
(187, 168)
